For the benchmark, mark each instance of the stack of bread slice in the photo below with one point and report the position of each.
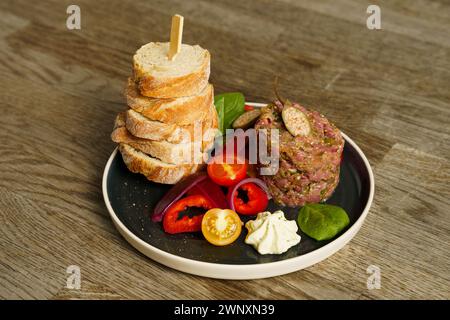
(171, 121)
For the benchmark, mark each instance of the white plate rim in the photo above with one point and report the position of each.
(241, 271)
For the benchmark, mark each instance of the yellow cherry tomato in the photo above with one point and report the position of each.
(221, 226)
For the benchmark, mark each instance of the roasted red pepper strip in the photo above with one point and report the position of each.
(210, 191)
(172, 224)
(256, 200)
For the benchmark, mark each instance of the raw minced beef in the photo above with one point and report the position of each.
(309, 165)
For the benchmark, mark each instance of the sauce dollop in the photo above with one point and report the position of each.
(272, 233)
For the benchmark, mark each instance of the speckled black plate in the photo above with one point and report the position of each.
(130, 199)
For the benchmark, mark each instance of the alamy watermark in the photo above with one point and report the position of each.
(73, 21)
(373, 22)
(262, 144)
(253, 146)
(74, 278)
(374, 279)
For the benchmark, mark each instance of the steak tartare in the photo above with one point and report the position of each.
(310, 149)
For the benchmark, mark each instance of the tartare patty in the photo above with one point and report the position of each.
(309, 163)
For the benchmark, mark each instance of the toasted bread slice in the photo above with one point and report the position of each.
(154, 169)
(158, 77)
(181, 111)
(162, 150)
(211, 130)
(142, 127)
(145, 128)
(181, 153)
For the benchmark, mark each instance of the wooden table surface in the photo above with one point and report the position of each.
(387, 89)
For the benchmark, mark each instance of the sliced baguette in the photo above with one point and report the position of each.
(162, 150)
(210, 130)
(142, 127)
(158, 77)
(154, 169)
(180, 111)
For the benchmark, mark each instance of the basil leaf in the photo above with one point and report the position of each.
(233, 106)
(322, 221)
(220, 106)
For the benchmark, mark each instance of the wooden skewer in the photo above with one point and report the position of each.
(176, 35)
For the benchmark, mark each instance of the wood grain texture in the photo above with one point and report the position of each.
(61, 89)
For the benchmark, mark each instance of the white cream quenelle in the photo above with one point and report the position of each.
(272, 233)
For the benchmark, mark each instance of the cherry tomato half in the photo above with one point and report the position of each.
(221, 226)
(228, 172)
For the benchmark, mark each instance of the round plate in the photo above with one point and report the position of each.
(130, 199)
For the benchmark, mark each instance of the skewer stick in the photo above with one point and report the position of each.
(176, 34)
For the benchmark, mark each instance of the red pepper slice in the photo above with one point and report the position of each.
(248, 108)
(210, 191)
(172, 224)
(253, 201)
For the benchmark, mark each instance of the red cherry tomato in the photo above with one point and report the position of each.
(226, 171)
